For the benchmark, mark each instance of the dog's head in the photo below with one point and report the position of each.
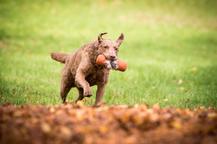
(108, 47)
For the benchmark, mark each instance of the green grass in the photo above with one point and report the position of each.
(170, 46)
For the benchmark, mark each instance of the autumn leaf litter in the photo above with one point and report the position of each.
(107, 124)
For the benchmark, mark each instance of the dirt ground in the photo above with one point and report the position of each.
(106, 125)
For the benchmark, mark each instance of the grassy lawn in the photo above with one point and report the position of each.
(170, 46)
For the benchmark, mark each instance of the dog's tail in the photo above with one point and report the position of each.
(60, 57)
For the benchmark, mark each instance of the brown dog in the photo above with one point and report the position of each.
(81, 70)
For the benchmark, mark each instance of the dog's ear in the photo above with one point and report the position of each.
(100, 39)
(120, 39)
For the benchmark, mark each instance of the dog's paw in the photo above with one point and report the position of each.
(87, 93)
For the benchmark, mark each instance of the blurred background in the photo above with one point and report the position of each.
(170, 47)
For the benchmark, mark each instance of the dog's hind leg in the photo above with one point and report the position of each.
(66, 85)
(64, 91)
(80, 97)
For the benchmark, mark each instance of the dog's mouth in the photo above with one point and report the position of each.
(114, 64)
(111, 64)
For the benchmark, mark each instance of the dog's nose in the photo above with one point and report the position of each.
(112, 57)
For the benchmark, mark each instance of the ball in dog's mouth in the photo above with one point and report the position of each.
(111, 64)
(101, 60)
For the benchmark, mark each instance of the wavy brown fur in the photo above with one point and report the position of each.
(80, 70)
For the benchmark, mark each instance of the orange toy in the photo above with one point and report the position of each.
(100, 60)
(121, 65)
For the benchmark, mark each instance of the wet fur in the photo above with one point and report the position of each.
(81, 71)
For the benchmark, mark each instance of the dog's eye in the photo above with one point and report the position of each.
(116, 48)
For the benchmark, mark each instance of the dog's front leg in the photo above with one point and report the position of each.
(82, 83)
(99, 94)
